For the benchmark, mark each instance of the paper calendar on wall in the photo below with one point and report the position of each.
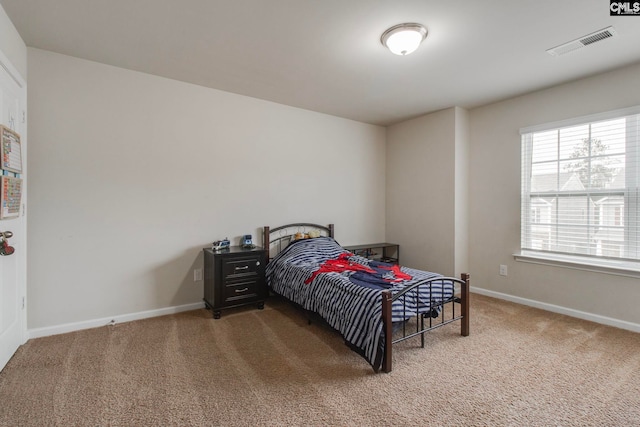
(11, 190)
(11, 166)
(11, 151)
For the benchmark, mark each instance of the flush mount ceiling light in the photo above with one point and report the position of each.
(402, 39)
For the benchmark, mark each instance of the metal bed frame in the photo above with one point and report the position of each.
(441, 314)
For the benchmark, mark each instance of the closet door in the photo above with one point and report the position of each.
(13, 266)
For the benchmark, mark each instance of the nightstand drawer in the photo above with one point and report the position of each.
(239, 290)
(241, 267)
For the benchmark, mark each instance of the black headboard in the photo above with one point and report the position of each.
(277, 238)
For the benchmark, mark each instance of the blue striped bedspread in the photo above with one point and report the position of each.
(351, 308)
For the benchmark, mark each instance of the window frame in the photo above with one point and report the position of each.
(618, 266)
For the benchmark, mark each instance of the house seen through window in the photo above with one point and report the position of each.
(580, 192)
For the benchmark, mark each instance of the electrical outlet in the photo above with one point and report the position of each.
(503, 270)
(197, 274)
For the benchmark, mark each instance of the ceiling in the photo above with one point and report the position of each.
(326, 55)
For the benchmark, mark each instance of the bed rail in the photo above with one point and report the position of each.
(440, 314)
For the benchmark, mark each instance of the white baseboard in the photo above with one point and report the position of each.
(95, 323)
(609, 321)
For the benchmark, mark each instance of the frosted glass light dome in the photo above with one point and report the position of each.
(402, 39)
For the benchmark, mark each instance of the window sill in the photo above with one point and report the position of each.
(606, 266)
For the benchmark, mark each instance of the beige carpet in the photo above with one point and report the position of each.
(519, 367)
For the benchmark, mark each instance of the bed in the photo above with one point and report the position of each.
(374, 305)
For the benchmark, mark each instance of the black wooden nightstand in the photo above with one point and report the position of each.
(234, 277)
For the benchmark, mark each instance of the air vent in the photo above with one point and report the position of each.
(582, 41)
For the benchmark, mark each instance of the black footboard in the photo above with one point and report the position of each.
(457, 308)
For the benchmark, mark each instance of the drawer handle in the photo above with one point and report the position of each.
(241, 290)
(242, 268)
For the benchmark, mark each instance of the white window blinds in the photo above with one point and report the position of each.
(580, 187)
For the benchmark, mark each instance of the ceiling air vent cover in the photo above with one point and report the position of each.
(582, 41)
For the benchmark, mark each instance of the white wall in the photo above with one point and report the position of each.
(494, 199)
(131, 175)
(427, 191)
(421, 191)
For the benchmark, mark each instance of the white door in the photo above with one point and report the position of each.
(13, 267)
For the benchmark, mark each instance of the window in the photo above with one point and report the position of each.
(580, 187)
